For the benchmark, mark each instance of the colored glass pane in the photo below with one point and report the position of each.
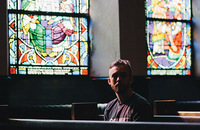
(12, 4)
(84, 6)
(169, 48)
(168, 29)
(12, 38)
(64, 6)
(168, 9)
(44, 44)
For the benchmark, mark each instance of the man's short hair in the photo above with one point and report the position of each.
(122, 62)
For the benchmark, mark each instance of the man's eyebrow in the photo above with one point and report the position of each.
(118, 73)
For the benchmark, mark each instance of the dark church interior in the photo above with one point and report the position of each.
(77, 102)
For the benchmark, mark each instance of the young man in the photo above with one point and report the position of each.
(128, 106)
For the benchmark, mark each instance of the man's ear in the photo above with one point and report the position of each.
(109, 81)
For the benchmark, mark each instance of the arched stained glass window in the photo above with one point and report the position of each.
(48, 37)
(168, 29)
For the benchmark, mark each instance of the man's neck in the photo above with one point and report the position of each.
(123, 97)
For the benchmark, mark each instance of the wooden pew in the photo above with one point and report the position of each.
(34, 124)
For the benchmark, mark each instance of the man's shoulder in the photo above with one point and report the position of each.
(111, 103)
(138, 98)
(143, 107)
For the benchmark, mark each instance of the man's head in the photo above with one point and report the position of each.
(120, 76)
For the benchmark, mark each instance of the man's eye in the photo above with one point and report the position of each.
(115, 76)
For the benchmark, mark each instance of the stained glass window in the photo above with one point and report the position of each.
(168, 29)
(48, 37)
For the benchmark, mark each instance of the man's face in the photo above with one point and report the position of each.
(119, 78)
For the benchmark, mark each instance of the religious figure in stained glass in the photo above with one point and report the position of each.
(165, 9)
(159, 28)
(168, 37)
(48, 40)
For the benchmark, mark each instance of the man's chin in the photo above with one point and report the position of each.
(120, 89)
(120, 92)
(119, 86)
